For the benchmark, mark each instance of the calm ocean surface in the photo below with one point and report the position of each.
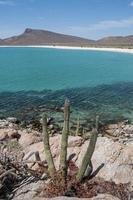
(95, 82)
(40, 68)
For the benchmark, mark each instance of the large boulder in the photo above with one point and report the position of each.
(116, 158)
(28, 138)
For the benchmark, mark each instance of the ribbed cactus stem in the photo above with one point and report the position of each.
(78, 126)
(64, 139)
(87, 158)
(49, 158)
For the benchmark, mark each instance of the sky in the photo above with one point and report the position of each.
(91, 19)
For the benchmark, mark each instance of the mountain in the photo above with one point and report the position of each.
(43, 37)
(116, 41)
(2, 42)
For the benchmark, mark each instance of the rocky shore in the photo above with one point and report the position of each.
(112, 159)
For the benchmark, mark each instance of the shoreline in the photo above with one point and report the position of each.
(107, 49)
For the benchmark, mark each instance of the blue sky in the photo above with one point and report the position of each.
(86, 18)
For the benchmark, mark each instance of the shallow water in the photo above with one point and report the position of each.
(36, 80)
(112, 102)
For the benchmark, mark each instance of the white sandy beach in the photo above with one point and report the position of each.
(75, 48)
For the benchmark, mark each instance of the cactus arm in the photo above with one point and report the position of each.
(49, 158)
(87, 158)
(64, 139)
(78, 126)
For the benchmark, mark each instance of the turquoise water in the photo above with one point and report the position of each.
(39, 68)
(33, 80)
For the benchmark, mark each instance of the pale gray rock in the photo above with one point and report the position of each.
(8, 133)
(32, 195)
(28, 138)
(12, 119)
(28, 191)
(117, 160)
(4, 123)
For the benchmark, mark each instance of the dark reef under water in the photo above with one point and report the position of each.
(112, 102)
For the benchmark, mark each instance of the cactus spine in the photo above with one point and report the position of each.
(64, 140)
(86, 166)
(49, 158)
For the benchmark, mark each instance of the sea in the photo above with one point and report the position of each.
(35, 80)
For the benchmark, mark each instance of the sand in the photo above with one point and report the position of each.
(76, 48)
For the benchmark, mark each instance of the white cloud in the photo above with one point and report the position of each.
(7, 2)
(105, 25)
(102, 25)
(131, 4)
(12, 2)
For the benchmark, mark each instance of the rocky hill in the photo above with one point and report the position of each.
(2, 42)
(43, 37)
(116, 41)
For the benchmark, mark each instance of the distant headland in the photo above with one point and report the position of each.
(43, 37)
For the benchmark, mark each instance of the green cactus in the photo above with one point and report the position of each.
(64, 140)
(49, 158)
(78, 126)
(86, 166)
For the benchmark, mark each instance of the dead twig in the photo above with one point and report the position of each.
(10, 171)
